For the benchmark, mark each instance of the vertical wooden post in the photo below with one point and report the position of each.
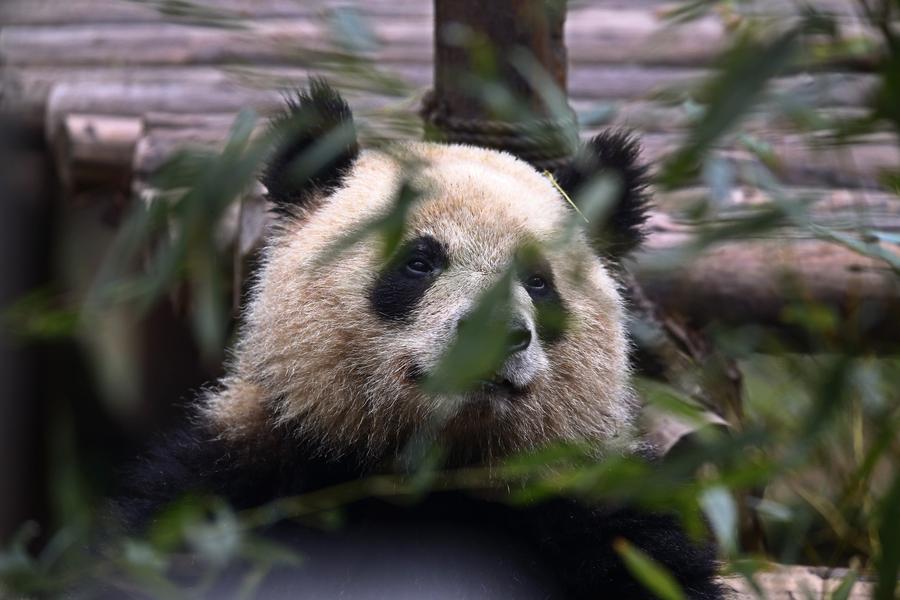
(487, 48)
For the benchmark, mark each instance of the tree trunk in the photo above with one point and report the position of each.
(500, 79)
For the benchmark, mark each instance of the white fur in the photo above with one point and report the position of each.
(313, 355)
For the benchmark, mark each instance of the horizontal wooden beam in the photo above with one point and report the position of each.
(54, 12)
(124, 90)
(95, 151)
(856, 166)
(785, 582)
(758, 278)
(594, 35)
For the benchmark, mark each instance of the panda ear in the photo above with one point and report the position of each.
(614, 153)
(314, 147)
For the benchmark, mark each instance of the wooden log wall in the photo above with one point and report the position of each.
(116, 87)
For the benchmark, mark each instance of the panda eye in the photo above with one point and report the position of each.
(418, 267)
(536, 283)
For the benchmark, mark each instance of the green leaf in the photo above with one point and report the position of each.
(167, 530)
(558, 455)
(885, 236)
(40, 314)
(718, 175)
(480, 346)
(143, 557)
(670, 400)
(352, 31)
(770, 509)
(747, 568)
(390, 227)
(858, 245)
(264, 551)
(251, 581)
(218, 539)
(739, 85)
(145, 567)
(889, 534)
(721, 511)
(599, 114)
(843, 591)
(194, 13)
(15, 560)
(648, 572)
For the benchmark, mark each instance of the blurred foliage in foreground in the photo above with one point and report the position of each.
(813, 458)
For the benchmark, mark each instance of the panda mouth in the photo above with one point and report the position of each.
(500, 386)
(497, 385)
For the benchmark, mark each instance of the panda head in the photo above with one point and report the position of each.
(338, 339)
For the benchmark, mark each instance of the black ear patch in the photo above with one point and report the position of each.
(315, 146)
(615, 153)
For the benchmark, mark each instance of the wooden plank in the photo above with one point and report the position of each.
(163, 137)
(658, 117)
(753, 280)
(789, 582)
(857, 166)
(595, 34)
(95, 151)
(124, 91)
(130, 99)
(33, 86)
(798, 162)
(600, 34)
(601, 82)
(55, 12)
(643, 117)
(152, 150)
(587, 83)
(272, 41)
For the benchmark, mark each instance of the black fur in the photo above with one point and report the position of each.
(552, 312)
(613, 153)
(315, 145)
(570, 542)
(397, 291)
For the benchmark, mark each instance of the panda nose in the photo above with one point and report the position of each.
(519, 339)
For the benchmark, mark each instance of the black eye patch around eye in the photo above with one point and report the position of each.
(407, 276)
(552, 314)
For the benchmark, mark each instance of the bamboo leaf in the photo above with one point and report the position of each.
(843, 591)
(740, 84)
(721, 511)
(648, 572)
(480, 346)
(889, 534)
(866, 249)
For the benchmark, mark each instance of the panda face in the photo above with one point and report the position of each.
(339, 346)
(337, 341)
(403, 293)
(463, 236)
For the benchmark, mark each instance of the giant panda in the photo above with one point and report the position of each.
(326, 381)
